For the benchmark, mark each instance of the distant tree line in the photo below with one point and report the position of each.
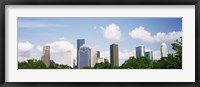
(173, 61)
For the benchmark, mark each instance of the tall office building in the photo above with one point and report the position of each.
(140, 51)
(163, 50)
(68, 58)
(46, 56)
(80, 42)
(98, 54)
(149, 54)
(114, 56)
(84, 56)
(93, 57)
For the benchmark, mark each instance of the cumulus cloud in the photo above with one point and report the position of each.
(58, 46)
(125, 54)
(141, 34)
(156, 55)
(57, 49)
(24, 50)
(112, 32)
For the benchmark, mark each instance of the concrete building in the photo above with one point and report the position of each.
(68, 58)
(93, 57)
(99, 60)
(80, 42)
(140, 50)
(163, 50)
(114, 55)
(84, 57)
(46, 56)
(149, 54)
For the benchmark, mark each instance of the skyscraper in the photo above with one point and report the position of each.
(93, 57)
(140, 51)
(163, 50)
(84, 56)
(46, 56)
(114, 56)
(80, 42)
(149, 54)
(68, 58)
(98, 54)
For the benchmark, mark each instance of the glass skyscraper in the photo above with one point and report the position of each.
(80, 42)
(140, 51)
(84, 57)
(149, 54)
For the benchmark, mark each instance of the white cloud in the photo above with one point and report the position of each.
(57, 49)
(24, 50)
(58, 46)
(37, 24)
(112, 32)
(142, 34)
(125, 54)
(156, 55)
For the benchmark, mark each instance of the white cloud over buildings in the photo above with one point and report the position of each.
(146, 36)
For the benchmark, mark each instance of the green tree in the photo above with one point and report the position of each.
(104, 65)
(137, 63)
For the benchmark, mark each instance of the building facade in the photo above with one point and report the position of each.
(68, 58)
(149, 54)
(80, 42)
(84, 57)
(99, 60)
(163, 50)
(93, 57)
(140, 50)
(114, 56)
(46, 56)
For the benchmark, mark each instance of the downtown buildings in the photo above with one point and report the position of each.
(46, 55)
(163, 50)
(68, 58)
(80, 42)
(114, 54)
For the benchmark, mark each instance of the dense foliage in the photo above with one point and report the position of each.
(137, 63)
(38, 64)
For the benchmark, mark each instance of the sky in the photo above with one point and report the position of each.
(61, 35)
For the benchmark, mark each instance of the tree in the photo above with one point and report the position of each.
(137, 63)
(104, 65)
(173, 61)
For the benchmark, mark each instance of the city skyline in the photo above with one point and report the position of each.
(97, 36)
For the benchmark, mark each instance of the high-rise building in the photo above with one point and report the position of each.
(149, 54)
(46, 56)
(93, 57)
(163, 50)
(98, 54)
(114, 56)
(84, 56)
(80, 42)
(68, 58)
(99, 60)
(140, 51)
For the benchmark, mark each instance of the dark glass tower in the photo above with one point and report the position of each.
(114, 56)
(80, 42)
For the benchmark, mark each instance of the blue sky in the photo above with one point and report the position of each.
(62, 33)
